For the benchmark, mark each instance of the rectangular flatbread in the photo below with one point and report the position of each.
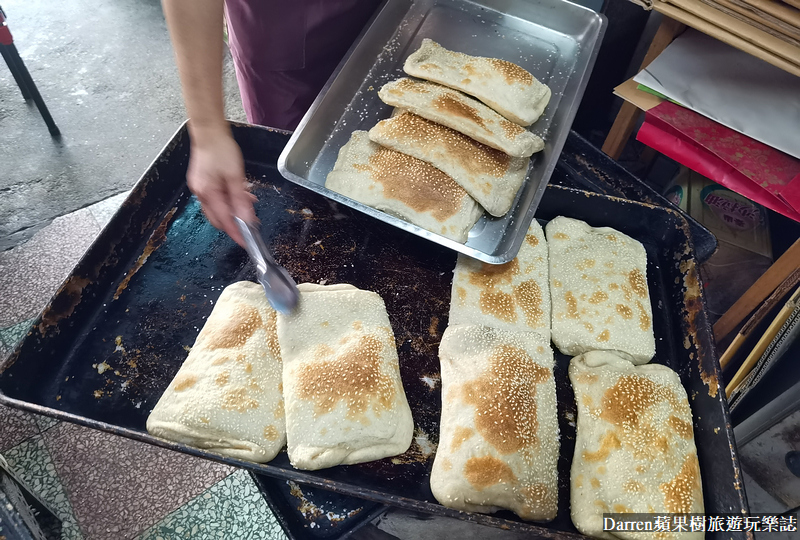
(227, 396)
(498, 436)
(462, 113)
(634, 448)
(404, 187)
(598, 285)
(505, 87)
(345, 402)
(490, 176)
(514, 296)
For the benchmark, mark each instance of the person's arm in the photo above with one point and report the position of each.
(216, 168)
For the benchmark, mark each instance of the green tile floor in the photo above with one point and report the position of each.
(231, 508)
(31, 461)
(10, 336)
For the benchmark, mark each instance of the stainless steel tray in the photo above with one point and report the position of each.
(555, 40)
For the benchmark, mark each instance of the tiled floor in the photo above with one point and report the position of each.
(104, 486)
(16, 427)
(32, 462)
(145, 483)
(232, 508)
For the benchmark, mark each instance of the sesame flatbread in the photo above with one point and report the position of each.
(490, 176)
(227, 395)
(345, 402)
(634, 448)
(404, 187)
(598, 286)
(498, 437)
(514, 296)
(462, 113)
(505, 87)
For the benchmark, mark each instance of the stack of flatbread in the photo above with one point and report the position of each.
(498, 439)
(454, 147)
(634, 449)
(325, 379)
(586, 289)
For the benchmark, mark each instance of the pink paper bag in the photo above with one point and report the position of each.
(748, 167)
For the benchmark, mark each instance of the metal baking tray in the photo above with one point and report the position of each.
(556, 40)
(136, 313)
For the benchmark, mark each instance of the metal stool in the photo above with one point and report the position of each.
(21, 75)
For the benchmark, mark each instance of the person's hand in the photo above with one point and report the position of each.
(216, 176)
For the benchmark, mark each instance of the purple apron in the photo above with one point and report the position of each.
(285, 50)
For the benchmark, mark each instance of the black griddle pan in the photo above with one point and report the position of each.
(144, 288)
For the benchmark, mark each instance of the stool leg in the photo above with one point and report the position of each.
(14, 69)
(37, 97)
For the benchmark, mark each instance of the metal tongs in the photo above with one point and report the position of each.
(280, 287)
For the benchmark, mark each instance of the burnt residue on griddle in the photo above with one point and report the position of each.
(598, 174)
(431, 380)
(314, 512)
(153, 243)
(320, 516)
(69, 295)
(421, 450)
(693, 317)
(309, 510)
(567, 411)
(140, 369)
(709, 373)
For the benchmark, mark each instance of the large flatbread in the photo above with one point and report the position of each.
(514, 296)
(345, 402)
(498, 437)
(462, 113)
(403, 186)
(227, 395)
(598, 285)
(634, 448)
(490, 176)
(505, 87)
